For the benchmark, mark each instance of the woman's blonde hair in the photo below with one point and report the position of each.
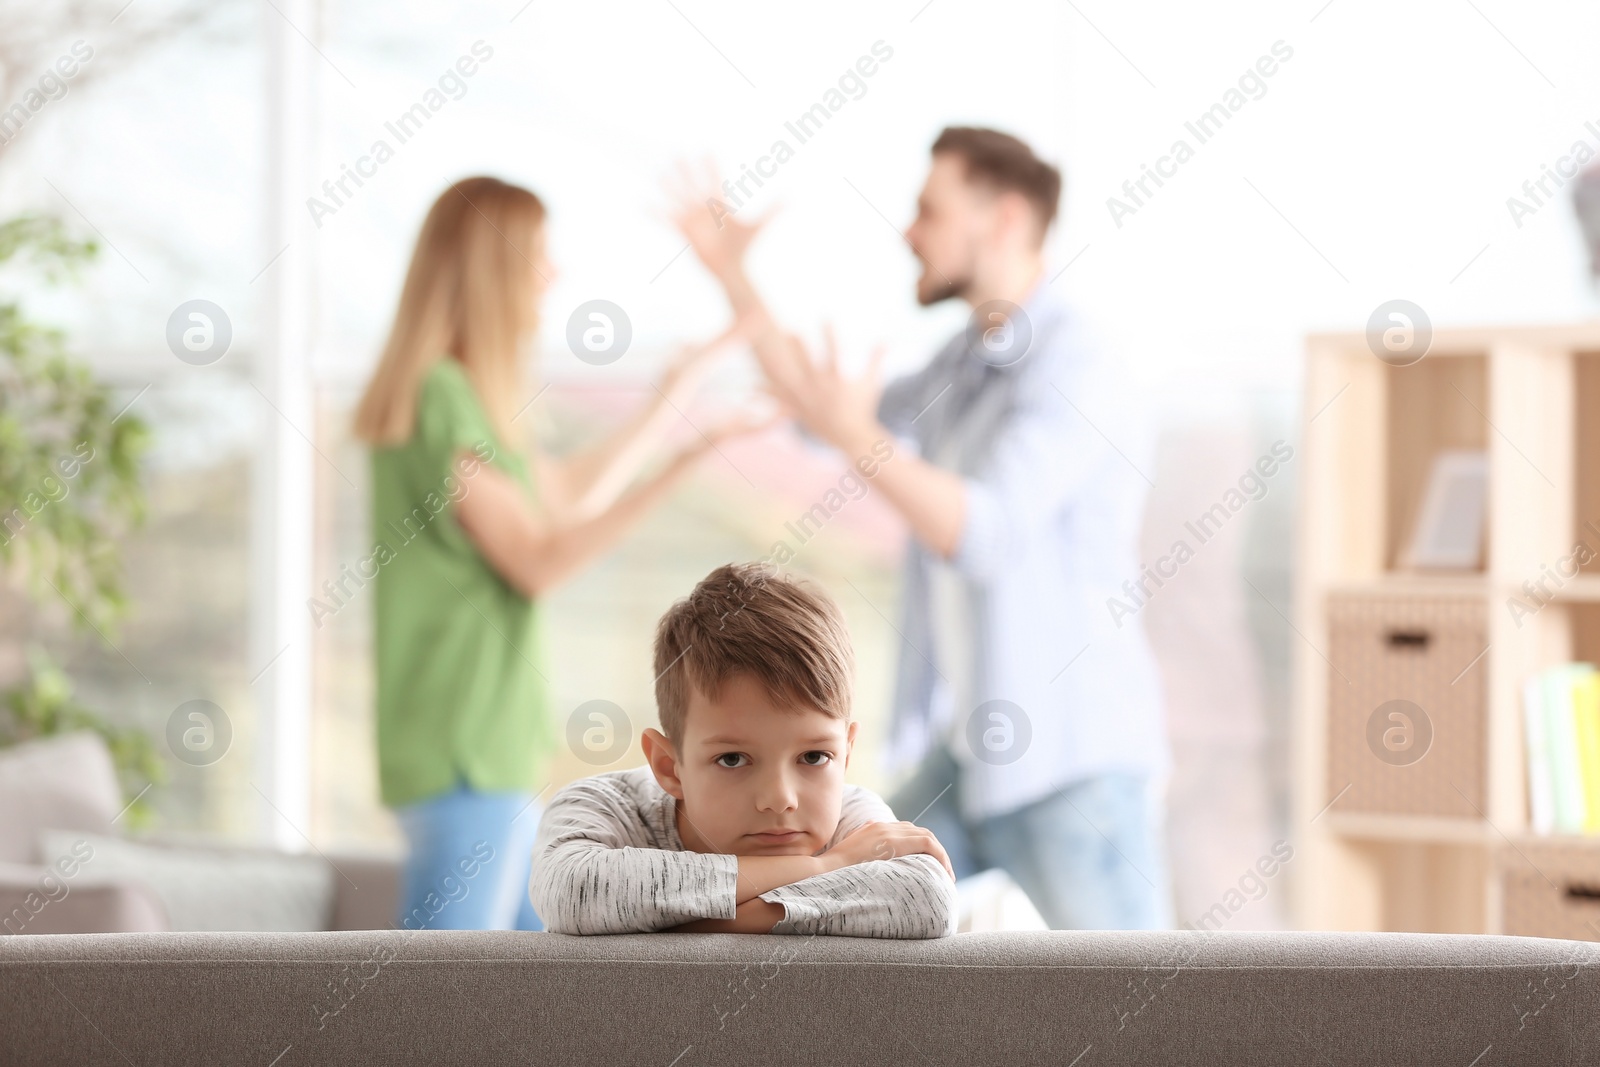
(469, 295)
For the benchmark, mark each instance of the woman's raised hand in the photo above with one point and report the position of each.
(711, 439)
(742, 423)
(703, 214)
(688, 367)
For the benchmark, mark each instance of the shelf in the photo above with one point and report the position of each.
(1452, 583)
(1412, 828)
(1583, 841)
(1372, 434)
(1583, 589)
(1580, 337)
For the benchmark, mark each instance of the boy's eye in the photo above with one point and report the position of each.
(816, 752)
(729, 755)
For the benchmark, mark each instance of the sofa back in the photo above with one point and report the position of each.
(694, 1000)
(62, 782)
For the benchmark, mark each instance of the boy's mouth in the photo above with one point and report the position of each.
(778, 835)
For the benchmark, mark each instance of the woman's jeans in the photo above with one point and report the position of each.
(471, 856)
(1088, 856)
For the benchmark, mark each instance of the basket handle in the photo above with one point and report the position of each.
(1417, 639)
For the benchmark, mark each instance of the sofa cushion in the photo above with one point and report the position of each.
(214, 888)
(51, 900)
(65, 782)
(1052, 998)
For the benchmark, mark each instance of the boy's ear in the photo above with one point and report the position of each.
(850, 740)
(658, 752)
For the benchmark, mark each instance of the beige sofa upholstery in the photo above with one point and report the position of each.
(695, 1000)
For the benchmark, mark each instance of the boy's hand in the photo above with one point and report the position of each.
(754, 916)
(885, 841)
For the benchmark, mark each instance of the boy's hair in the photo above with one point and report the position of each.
(749, 618)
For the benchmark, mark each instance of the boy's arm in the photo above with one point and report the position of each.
(904, 897)
(757, 874)
(594, 871)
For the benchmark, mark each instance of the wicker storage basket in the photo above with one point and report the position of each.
(1550, 887)
(1406, 705)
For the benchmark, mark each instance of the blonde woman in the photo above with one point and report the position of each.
(469, 532)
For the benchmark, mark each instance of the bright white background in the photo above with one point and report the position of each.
(1389, 145)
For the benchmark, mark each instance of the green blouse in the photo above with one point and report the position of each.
(458, 691)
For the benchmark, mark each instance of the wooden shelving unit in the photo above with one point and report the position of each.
(1530, 396)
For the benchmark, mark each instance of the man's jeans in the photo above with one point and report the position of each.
(1088, 855)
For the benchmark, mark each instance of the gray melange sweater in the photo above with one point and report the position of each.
(608, 860)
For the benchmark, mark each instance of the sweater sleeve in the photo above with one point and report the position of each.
(906, 897)
(594, 871)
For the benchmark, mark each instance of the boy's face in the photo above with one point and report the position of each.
(749, 767)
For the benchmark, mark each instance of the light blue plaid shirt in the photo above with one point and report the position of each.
(1054, 452)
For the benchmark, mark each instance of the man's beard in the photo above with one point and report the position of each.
(947, 288)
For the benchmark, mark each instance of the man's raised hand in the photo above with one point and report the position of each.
(841, 410)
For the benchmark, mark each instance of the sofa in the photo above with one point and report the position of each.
(696, 1000)
(68, 866)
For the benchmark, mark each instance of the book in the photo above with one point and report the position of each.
(1541, 794)
(1561, 741)
(1586, 719)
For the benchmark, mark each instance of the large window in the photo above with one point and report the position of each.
(155, 151)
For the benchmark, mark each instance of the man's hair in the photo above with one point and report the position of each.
(1003, 162)
(748, 618)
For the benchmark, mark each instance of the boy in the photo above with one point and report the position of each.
(741, 821)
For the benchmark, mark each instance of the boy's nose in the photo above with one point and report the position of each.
(778, 795)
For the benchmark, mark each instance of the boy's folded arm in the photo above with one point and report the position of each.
(758, 874)
(581, 886)
(905, 897)
(753, 916)
(594, 873)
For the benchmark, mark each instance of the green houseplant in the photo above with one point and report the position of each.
(69, 490)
